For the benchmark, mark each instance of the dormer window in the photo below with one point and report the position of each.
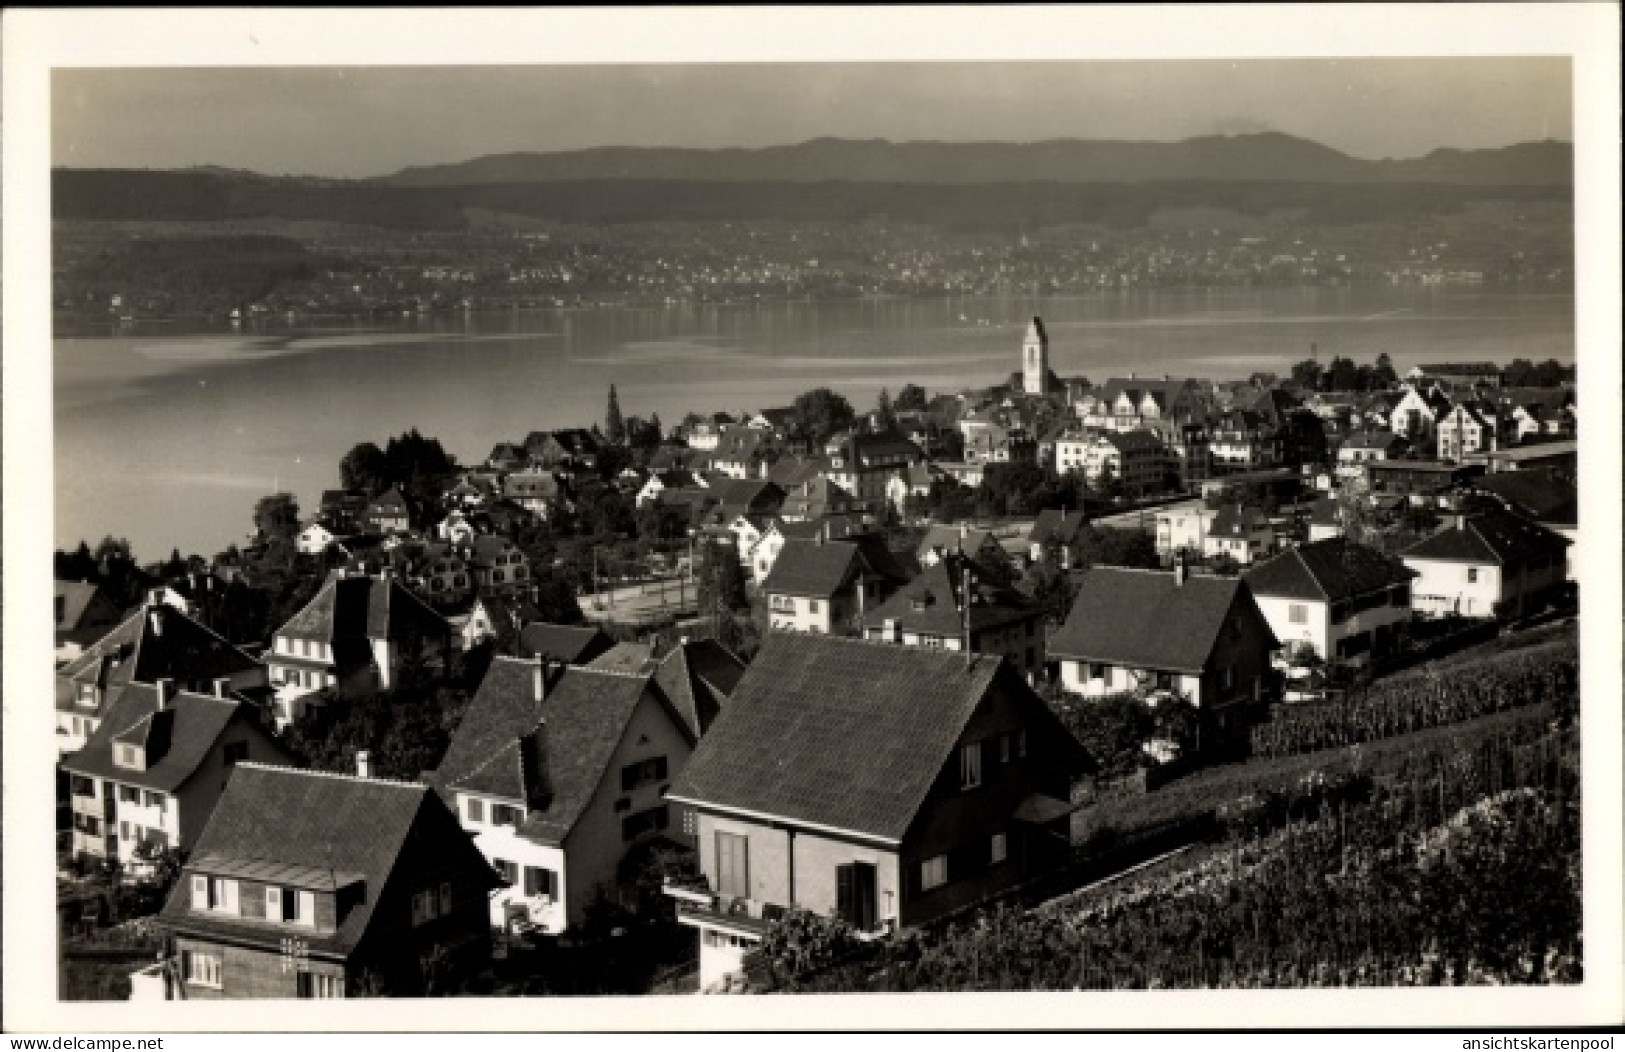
(130, 756)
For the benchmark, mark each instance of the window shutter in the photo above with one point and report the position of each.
(274, 908)
(200, 892)
(846, 891)
(231, 896)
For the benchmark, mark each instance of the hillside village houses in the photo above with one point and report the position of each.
(1333, 599)
(1487, 564)
(887, 785)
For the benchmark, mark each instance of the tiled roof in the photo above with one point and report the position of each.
(359, 827)
(698, 678)
(184, 733)
(930, 603)
(810, 568)
(571, 644)
(1143, 619)
(1535, 494)
(1372, 440)
(1056, 526)
(843, 733)
(582, 718)
(952, 538)
(76, 597)
(1133, 441)
(1490, 537)
(1327, 571)
(1236, 521)
(136, 652)
(623, 657)
(350, 609)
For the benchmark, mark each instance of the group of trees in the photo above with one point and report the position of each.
(1344, 375)
(417, 466)
(1521, 372)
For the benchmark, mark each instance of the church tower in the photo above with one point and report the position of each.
(1035, 359)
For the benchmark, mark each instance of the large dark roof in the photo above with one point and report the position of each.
(841, 733)
(581, 719)
(1055, 526)
(139, 651)
(1489, 537)
(1327, 571)
(930, 603)
(314, 821)
(1536, 493)
(1143, 619)
(810, 568)
(698, 679)
(184, 733)
(572, 644)
(348, 609)
(76, 597)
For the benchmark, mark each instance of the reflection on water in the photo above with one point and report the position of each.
(164, 436)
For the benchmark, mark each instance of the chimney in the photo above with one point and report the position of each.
(221, 685)
(166, 692)
(155, 617)
(538, 679)
(1180, 571)
(363, 763)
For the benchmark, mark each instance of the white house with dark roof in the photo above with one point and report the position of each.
(353, 636)
(930, 611)
(155, 643)
(1244, 534)
(155, 767)
(1488, 564)
(888, 785)
(558, 772)
(1342, 601)
(1146, 631)
(824, 586)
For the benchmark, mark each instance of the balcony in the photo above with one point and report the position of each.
(696, 904)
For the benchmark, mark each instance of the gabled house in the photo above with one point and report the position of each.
(564, 644)
(1136, 403)
(825, 586)
(888, 785)
(981, 545)
(1325, 520)
(83, 614)
(307, 884)
(931, 611)
(154, 770)
(557, 772)
(506, 456)
(1367, 447)
(1055, 536)
(1136, 459)
(498, 566)
(1416, 417)
(496, 617)
(1244, 534)
(1468, 427)
(341, 510)
(1241, 440)
(387, 513)
(742, 453)
(753, 496)
(863, 464)
(1341, 601)
(354, 636)
(672, 478)
(539, 492)
(1183, 527)
(815, 499)
(912, 481)
(155, 643)
(1148, 631)
(1488, 564)
(571, 449)
(314, 539)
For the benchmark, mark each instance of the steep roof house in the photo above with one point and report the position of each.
(566, 644)
(83, 614)
(1339, 600)
(558, 772)
(1199, 636)
(306, 884)
(888, 785)
(354, 636)
(1055, 535)
(153, 771)
(698, 677)
(387, 513)
(825, 585)
(156, 642)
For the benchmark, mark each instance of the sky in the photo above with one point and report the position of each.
(366, 121)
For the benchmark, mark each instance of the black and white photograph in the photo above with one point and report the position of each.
(646, 518)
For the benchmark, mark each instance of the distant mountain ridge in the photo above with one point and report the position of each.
(1262, 157)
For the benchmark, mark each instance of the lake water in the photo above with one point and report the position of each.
(167, 437)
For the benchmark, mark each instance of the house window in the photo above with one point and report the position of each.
(933, 872)
(998, 849)
(214, 893)
(1472, 575)
(128, 755)
(733, 866)
(201, 969)
(156, 800)
(476, 810)
(235, 752)
(1227, 678)
(508, 871)
(503, 815)
(321, 987)
(1297, 614)
(970, 765)
(1097, 670)
(124, 830)
(812, 606)
(129, 794)
(1005, 746)
(541, 883)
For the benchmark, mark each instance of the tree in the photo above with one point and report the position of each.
(820, 413)
(1342, 375)
(1307, 374)
(911, 399)
(1382, 374)
(614, 424)
(364, 468)
(885, 415)
(276, 517)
